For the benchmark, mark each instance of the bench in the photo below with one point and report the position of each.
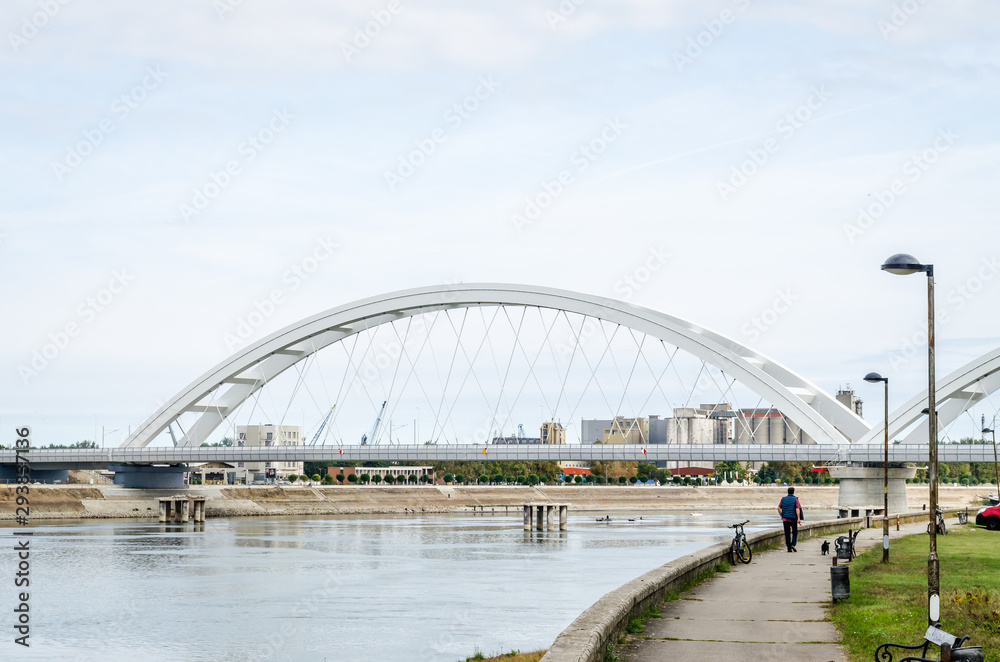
(952, 649)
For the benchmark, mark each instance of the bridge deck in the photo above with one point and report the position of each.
(91, 458)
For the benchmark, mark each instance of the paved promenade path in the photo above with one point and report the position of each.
(776, 608)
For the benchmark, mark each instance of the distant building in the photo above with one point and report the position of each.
(768, 426)
(553, 433)
(268, 435)
(848, 399)
(592, 431)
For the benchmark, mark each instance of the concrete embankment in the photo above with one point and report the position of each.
(102, 501)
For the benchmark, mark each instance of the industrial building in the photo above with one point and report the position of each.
(267, 435)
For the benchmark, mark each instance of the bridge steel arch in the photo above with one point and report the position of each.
(221, 390)
(956, 393)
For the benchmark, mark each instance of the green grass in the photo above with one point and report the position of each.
(888, 602)
(512, 656)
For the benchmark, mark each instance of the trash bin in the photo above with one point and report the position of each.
(840, 582)
(967, 654)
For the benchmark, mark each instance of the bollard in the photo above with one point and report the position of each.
(840, 582)
(897, 522)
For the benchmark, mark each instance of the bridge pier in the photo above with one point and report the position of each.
(146, 476)
(181, 508)
(545, 516)
(862, 489)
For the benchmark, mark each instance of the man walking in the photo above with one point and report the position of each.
(791, 514)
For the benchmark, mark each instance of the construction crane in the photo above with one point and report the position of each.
(378, 421)
(322, 426)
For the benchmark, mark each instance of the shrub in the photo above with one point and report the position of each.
(643, 478)
(687, 480)
(413, 478)
(315, 477)
(340, 478)
(729, 478)
(578, 479)
(425, 478)
(449, 478)
(510, 479)
(376, 479)
(622, 480)
(351, 478)
(521, 480)
(327, 479)
(292, 478)
(459, 478)
(633, 480)
(498, 479)
(601, 480)
(532, 479)
(366, 478)
(483, 478)
(798, 480)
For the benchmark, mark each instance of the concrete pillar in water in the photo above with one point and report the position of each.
(862, 489)
(550, 517)
(538, 517)
(563, 513)
(527, 517)
(185, 510)
(163, 511)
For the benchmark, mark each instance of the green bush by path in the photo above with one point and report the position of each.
(888, 602)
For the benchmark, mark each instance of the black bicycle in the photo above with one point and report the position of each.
(941, 529)
(740, 549)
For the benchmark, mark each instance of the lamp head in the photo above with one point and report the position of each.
(903, 264)
(874, 378)
(987, 431)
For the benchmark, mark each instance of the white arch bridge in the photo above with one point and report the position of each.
(215, 397)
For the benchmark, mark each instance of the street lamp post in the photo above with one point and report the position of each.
(902, 264)
(996, 465)
(874, 378)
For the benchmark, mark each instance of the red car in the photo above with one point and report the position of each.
(989, 517)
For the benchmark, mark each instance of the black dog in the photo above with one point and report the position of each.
(825, 548)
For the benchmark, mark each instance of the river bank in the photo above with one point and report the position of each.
(102, 502)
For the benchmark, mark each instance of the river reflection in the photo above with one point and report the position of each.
(408, 588)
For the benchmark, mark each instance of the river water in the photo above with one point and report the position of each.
(406, 588)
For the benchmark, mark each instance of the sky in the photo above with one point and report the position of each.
(167, 166)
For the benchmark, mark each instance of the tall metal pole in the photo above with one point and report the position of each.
(996, 466)
(933, 567)
(885, 508)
